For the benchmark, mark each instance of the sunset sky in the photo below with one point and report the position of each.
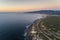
(29, 5)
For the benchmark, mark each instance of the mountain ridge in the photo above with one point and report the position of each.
(46, 12)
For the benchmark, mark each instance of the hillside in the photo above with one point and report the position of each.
(45, 29)
(46, 11)
(52, 22)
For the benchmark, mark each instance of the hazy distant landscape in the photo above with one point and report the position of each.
(56, 12)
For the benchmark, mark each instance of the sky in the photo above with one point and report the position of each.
(29, 5)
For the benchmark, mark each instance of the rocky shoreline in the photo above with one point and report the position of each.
(38, 31)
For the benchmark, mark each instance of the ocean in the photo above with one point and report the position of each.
(13, 25)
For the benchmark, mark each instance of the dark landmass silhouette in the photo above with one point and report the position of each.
(46, 12)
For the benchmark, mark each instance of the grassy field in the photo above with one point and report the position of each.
(52, 23)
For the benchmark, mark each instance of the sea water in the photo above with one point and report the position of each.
(13, 25)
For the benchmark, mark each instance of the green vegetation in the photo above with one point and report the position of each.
(46, 28)
(52, 23)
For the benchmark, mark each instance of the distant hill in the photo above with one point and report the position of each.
(46, 12)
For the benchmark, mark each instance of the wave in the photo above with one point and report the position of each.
(25, 32)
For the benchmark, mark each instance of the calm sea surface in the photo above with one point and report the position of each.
(12, 25)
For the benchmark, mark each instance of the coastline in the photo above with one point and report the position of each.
(38, 31)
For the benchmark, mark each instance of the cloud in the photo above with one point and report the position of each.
(24, 0)
(27, 1)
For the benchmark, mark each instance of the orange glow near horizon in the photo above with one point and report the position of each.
(29, 5)
(16, 9)
(26, 8)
